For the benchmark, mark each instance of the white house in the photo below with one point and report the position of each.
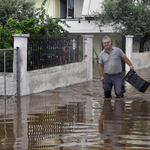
(78, 15)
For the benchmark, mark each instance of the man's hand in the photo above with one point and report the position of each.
(102, 78)
(101, 72)
(131, 67)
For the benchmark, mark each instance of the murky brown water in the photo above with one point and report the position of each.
(77, 118)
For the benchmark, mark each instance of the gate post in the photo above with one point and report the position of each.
(20, 40)
(129, 46)
(88, 54)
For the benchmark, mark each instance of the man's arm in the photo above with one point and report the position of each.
(101, 72)
(127, 61)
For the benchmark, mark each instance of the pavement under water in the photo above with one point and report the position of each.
(77, 118)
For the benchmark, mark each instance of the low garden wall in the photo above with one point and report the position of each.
(49, 78)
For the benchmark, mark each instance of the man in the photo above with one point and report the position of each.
(110, 68)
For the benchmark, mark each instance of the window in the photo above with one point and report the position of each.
(66, 9)
(70, 9)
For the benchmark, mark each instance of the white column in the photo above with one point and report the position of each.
(20, 40)
(129, 47)
(88, 52)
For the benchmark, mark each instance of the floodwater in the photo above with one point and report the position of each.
(77, 118)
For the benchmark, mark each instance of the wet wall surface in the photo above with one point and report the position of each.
(77, 118)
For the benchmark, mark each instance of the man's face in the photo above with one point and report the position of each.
(107, 44)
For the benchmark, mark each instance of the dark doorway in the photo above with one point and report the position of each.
(120, 42)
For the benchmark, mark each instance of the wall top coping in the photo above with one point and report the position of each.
(88, 36)
(129, 36)
(20, 35)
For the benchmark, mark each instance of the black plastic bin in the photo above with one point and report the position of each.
(136, 81)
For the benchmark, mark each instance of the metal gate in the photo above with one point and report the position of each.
(7, 67)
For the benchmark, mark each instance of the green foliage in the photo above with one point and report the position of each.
(18, 17)
(16, 9)
(50, 26)
(125, 16)
(12, 26)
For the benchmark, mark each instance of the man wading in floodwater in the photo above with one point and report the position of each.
(110, 68)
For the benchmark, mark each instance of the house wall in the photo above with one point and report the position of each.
(52, 7)
(56, 9)
(85, 27)
(78, 8)
(91, 5)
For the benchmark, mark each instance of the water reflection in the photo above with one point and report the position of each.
(47, 129)
(5, 130)
(111, 122)
(77, 118)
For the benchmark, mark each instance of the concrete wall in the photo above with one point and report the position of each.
(139, 60)
(10, 84)
(49, 78)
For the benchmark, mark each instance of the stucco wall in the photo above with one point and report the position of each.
(51, 78)
(51, 7)
(10, 84)
(140, 60)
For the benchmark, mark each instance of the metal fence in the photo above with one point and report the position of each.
(6, 54)
(7, 67)
(46, 52)
(141, 44)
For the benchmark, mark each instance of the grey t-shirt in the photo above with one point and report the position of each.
(112, 62)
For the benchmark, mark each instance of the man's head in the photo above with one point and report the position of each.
(107, 43)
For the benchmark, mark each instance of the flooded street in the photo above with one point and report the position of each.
(77, 118)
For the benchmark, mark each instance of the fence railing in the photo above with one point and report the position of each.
(7, 62)
(46, 52)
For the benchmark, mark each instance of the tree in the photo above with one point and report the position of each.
(38, 22)
(129, 17)
(49, 26)
(16, 9)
